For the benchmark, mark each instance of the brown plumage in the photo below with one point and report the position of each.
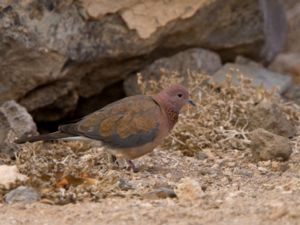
(130, 127)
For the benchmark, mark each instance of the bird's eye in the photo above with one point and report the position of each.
(179, 95)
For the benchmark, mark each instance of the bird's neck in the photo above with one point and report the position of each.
(169, 110)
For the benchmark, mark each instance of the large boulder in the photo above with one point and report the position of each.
(53, 52)
(192, 60)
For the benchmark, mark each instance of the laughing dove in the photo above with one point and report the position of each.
(130, 127)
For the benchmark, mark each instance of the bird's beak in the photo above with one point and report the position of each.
(190, 101)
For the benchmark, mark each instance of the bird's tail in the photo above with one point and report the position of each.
(44, 137)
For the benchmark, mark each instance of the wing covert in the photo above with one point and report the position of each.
(130, 122)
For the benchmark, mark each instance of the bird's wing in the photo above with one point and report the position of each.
(130, 122)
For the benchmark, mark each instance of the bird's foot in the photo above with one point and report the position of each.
(114, 164)
(131, 165)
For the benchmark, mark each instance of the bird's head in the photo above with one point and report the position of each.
(175, 97)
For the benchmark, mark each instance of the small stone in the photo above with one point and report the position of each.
(22, 194)
(268, 146)
(268, 186)
(124, 185)
(279, 166)
(243, 172)
(262, 170)
(163, 192)
(265, 163)
(232, 195)
(189, 189)
(231, 164)
(201, 155)
(9, 175)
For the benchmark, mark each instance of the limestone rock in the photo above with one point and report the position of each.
(88, 45)
(287, 63)
(15, 122)
(269, 146)
(292, 43)
(196, 59)
(258, 75)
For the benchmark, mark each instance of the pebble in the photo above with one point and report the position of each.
(161, 193)
(243, 172)
(201, 155)
(189, 189)
(9, 175)
(22, 194)
(124, 185)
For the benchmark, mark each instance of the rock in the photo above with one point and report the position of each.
(189, 189)
(287, 63)
(110, 94)
(9, 175)
(201, 155)
(15, 122)
(269, 116)
(292, 43)
(258, 75)
(243, 172)
(124, 184)
(18, 118)
(61, 106)
(22, 194)
(48, 44)
(292, 94)
(246, 61)
(268, 146)
(199, 60)
(278, 213)
(279, 166)
(289, 4)
(160, 193)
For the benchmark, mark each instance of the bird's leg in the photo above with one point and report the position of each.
(113, 160)
(132, 166)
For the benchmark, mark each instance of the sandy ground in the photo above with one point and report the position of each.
(234, 190)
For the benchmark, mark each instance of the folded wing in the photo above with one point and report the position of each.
(130, 122)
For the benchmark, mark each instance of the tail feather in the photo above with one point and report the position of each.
(44, 137)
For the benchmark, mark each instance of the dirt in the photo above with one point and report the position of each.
(206, 162)
(234, 192)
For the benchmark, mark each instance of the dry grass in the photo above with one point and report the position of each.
(66, 172)
(221, 119)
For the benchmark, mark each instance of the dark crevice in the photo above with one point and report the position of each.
(86, 106)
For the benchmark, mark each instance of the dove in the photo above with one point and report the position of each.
(129, 128)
